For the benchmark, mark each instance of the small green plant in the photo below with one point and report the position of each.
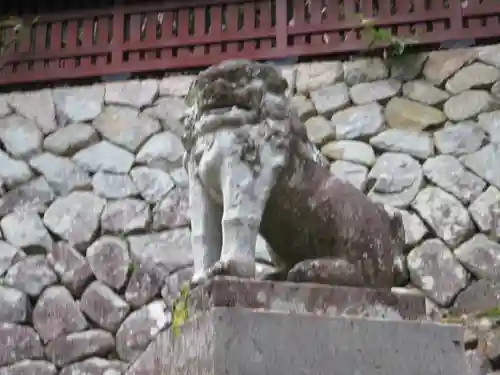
(180, 311)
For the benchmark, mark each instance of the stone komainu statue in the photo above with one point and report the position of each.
(253, 170)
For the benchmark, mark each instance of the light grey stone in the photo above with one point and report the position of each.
(353, 151)
(31, 275)
(402, 113)
(19, 342)
(37, 106)
(126, 127)
(176, 85)
(103, 306)
(144, 284)
(417, 144)
(25, 230)
(75, 218)
(319, 130)
(468, 104)
(489, 54)
(472, 76)
(364, 70)
(459, 139)
(5, 108)
(14, 306)
(481, 257)
(415, 229)
(126, 216)
(172, 211)
(311, 76)
(481, 295)
(368, 92)
(95, 366)
(70, 139)
(163, 151)
(397, 179)
(140, 328)
(358, 121)
(28, 366)
(303, 106)
(355, 174)
(477, 363)
(109, 260)
(169, 111)
(490, 123)
(485, 163)
(20, 136)
(106, 157)
(329, 99)
(34, 195)
(444, 214)
(169, 250)
(62, 174)
(446, 172)
(114, 186)
(13, 172)
(482, 208)
(56, 313)
(153, 184)
(441, 65)
(78, 104)
(173, 285)
(8, 256)
(424, 92)
(434, 269)
(135, 93)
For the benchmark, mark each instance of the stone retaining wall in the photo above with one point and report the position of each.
(95, 236)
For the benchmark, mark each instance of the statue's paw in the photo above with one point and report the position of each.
(326, 271)
(233, 267)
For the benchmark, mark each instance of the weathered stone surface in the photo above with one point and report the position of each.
(5, 108)
(482, 295)
(113, 186)
(139, 329)
(472, 76)
(417, 144)
(95, 366)
(144, 285)
(71, 267)
(446, 172)
(319, 130)
(31, 275)
(172, 211)
(153, 184)
(105, 157)
(56, 313)
(481, 257)
(78, 104)
(329, 99)
(304, 107)
(20, 136)
(103, 306)
(110, 261)
(35, 195)
(172, 287)
(70, 139)
(169, 111)
(415, 229)
(406, 114)
(435, 270)
(18, 343)
(61, 173)
(397, 178)
(441, 65)
(126, 127)
(364, 70)
(8, 256)
(75, 218)
(489, 54)
(81, 345)
(364, 93)
(490, 123)
(444, 214)
(14, 306)
(408, 66)
(134, 93)
(125, 216)
(485, 163)
(29, 367)
(353, 173)
(311, 76)
(481, 210)
(477, 363)
(13, 172)
(163, 151)
(459, 139)
(169, 250)
(37, 106)
(359, 121)
(176, 85)
(25, 229)
(424, 92)
(468, 104)
(353, 151)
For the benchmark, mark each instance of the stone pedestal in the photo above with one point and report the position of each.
(242, 327)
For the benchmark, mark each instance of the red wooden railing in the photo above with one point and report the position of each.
(178, 34)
